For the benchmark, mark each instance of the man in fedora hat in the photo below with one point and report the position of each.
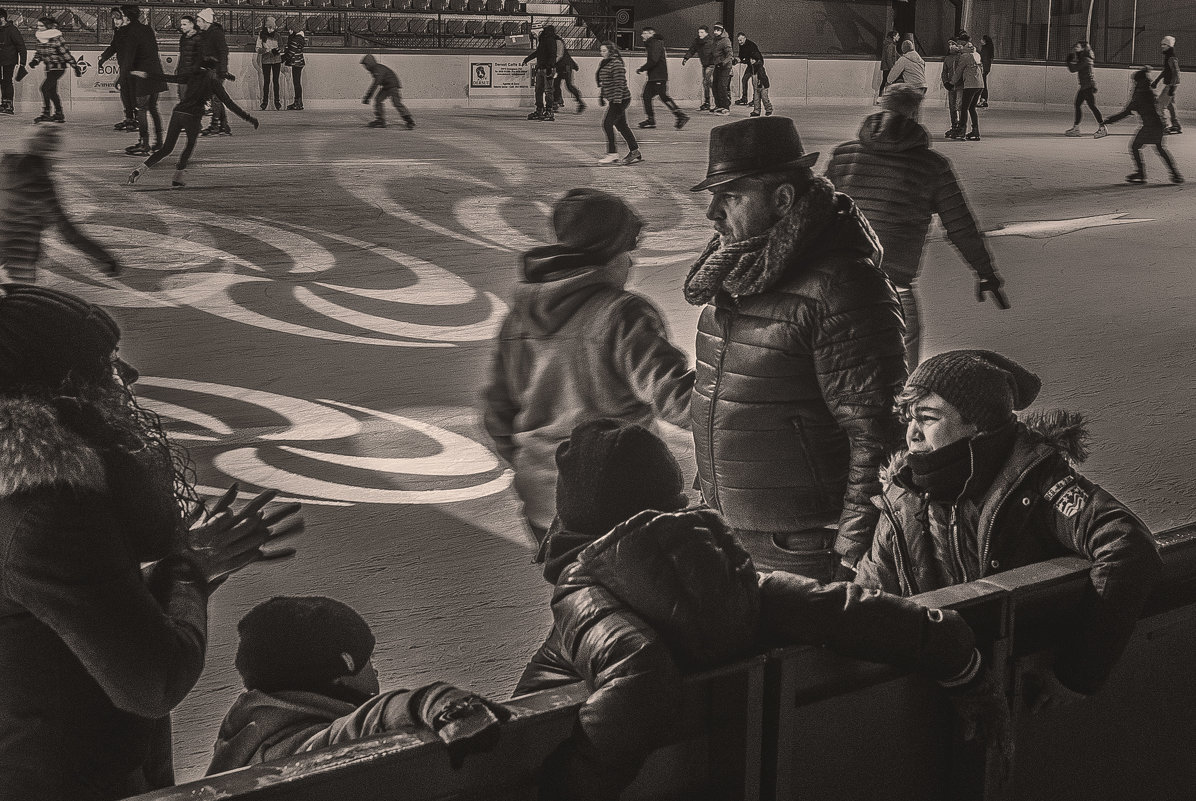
(799, 355)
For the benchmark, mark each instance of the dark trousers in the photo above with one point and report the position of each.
(219, 115)
(616, 117)
(984, 93)
(707, 79)
(970, 98)
(1139, 143)
(565, 77)
(1087, 96)
(394, 97)
(884, 81)
(180, 121)
(297, 79)
(270, 73)
(722, 87)
(147, 107)
(657, 89)
(6, 87)
(1167, 103)
(50, 91)
(745, 82)
(128, 95)
(544, 79)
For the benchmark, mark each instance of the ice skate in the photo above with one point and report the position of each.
(1073, 131)
(179, 180)
(610, 158)
(139, 149)
(135, 174)
(1174, 129)
(43, 117)
(536, 115)
(263, 105)
(548, 117)
(410, 123)
(754, 114)
(647, 123)
(58, 117)
(376, 124)
(278, 105)
(633, 157)
(1101, 132)
(1176, 178)
(704, 107)
(1136, 178)
(295, 107)
(722, 111)
(681, 120)
(581, 106)
(224, 131)
(6, 108)
(973, 136)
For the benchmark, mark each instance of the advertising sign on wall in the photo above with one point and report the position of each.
(499, 77)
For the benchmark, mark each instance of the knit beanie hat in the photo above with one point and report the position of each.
(207, 15)
(596, 223)
(1168, 41)
(301, 643)
(610, 471)
(984, 387)
(907, 46)
(48, 336)
(131, 11)
(903, 100)
(270, 22)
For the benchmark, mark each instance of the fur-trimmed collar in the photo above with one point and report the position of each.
(1062, 431)
(37, 450)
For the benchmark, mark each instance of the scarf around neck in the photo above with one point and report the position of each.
(750, 266)
(965, 468)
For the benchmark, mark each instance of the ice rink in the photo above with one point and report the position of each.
(314, 312)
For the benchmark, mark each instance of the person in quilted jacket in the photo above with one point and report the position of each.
(800, 354)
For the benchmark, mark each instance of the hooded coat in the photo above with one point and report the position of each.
(385, 78)
(656, 65)
(898, 182)
(910, 69)
(576, 346)
(94, 653)
(658, 595)
(12, 45)
(967, 72)
(1082, 64)
(703, 49)
(1170, 74)
(793, 404)
(723, 55)
(1036, 508)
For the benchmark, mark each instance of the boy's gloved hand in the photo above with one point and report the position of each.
(465, 721)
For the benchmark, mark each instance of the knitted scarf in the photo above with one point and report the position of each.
(750, 266)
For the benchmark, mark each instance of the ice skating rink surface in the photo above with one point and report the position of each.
(314, 312)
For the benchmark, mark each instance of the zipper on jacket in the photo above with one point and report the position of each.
(901, 555)
(956, 544)
(722, 354)
(992, 519)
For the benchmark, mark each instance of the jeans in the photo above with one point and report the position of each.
(954, 100)
(50, 91)
(1136, 151)
(913, 326)
(6, 87)
(657, 89)
(219, 115)
(147, 106)
(270, 73)
(968, 104)
(297, 79)
(722, 87)
(707, 80)
(1167, 103)
(1087, 96)
(565, 77)
(743, 83)
(884, 81)
(179, 121)
(544, 78)
(616, 117)
(128, 95)
(394, 97)
(760, 96)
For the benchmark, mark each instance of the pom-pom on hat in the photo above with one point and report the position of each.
(595, 222)
(301, 643)
(983, 386)
(48, 337)
(610, 471)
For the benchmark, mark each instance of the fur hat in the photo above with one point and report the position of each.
(903, 100)
(207, 15)
(301, 643)
(595, 222)
(48, 336)
(984, 387)
(610, 471)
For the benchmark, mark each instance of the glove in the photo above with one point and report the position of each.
(683, 61)
(843, 572)
(274, 51)
(253, 121)
(988, 283)
(982, 713)
(641, 69)
(466, 722)
(949, 87)
(33, 64)
(228, 76)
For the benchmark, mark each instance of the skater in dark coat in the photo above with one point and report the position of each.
(213, 43)
(1151, 133)
(142, 57)
(387, 86)
(1080, 61)
(565, 68)
(293, 57)
(1170, 78)
(657, 84)
(202, 86)
(12, 60)
(703, 47)
(549, 49)
(123, 82)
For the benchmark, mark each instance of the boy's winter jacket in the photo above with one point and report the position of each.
(384, 77)
(12, 45)
(910, 70)
(28, 205)
(1082, 63)
(612, 80)
(888, 56)
(189, 53)
(703, 49)
(967, 74)
(215, 44)
(723, 54)
(95, 652)
(899, 183)
(656, 64)
(53, 51)
(296, 43)
(576, 346)
(268, 47)
(658, 595)
(1036, 508)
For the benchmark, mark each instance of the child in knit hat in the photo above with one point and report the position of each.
(310, 683)
(578, 346)
(980, 491)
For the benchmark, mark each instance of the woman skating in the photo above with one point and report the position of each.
(53, 52)
(202, 86)
(1144, 103)
(271, 56)
(1080, 60)
(614, 92)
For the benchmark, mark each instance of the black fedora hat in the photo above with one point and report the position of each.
(751, 147)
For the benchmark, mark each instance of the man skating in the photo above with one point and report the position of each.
(723, 61)
(128, 99)
(703, 47)
(747, 52)
(215, 45)
(139, 53)
(1151, 133)
(546, 55)
(1170, 78)
(12, 59)
(658, 80)
(386, 84)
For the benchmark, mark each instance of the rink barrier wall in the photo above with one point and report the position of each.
(804, 723)
(442, 79)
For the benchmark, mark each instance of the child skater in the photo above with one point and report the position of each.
(201, 86)
(386, 83)
(1151, 133)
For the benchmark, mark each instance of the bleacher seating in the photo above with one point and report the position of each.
(454, 27)
(477, 6)
(457, 6)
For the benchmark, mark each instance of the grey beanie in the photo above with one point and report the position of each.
(984, 387)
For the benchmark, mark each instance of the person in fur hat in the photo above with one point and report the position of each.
(97, 651)
(647, 590)
(310, 683)
(578, 345)
(979, 491)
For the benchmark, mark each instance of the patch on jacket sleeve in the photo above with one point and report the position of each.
(1073, 501)
(1058, 487)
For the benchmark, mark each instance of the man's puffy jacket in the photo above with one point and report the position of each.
(899, 183)
(723, 54)
(703, 49)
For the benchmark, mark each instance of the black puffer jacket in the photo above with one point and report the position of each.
(1037, 508)
(793, 405)
(658, 595)
(190, 47)
(899, 183)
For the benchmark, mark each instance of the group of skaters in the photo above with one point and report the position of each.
(838, 474)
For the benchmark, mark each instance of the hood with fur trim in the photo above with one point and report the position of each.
(38, 451)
